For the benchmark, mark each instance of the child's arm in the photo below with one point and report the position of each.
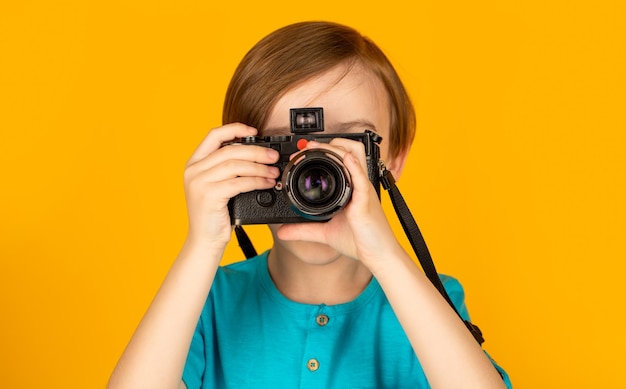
(156, 354)
(448, 353)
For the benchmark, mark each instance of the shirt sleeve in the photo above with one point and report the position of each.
(455, 290)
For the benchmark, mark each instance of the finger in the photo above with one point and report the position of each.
(360, 179)
(224, 190)
(341, 146)
(238, 168)
(310, 232)
(239, 185)
(355, 147)
(250, 153)
(219, 136)
(312, 145)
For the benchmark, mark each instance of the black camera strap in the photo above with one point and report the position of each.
(245, 243)
(413, 234)
(419, 245)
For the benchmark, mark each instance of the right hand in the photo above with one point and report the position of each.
(214, 174)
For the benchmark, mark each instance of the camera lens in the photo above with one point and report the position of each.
(317, 184)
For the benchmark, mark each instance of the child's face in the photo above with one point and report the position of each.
(353, 103)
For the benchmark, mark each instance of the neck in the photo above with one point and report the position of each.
(335, 281)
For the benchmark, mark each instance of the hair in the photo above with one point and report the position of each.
(296, 53)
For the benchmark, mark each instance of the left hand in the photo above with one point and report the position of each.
(361, 230)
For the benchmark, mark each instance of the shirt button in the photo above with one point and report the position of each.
(312, 364)
(321, 320)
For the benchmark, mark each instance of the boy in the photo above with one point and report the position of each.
(334, 304)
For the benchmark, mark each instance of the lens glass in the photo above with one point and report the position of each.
(316, 184)
(306, 119)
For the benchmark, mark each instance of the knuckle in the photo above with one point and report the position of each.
(193, 184)
(189, 173)
(229, 165)
(187, 176)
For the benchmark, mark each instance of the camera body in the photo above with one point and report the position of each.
(314, 185)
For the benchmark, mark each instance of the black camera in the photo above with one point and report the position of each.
(314, 185)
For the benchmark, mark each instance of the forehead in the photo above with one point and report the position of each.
(351, 98)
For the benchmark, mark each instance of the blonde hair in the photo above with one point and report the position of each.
(296, 53)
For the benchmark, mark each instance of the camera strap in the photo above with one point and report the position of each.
(419, 245)
(245, 243)
(412, 232)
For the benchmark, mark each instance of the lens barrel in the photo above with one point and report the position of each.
(317, 184)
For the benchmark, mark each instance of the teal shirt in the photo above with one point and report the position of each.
(251, 336)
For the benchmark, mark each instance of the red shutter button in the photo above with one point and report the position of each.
(301, 143)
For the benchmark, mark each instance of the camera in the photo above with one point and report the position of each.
(314, 185)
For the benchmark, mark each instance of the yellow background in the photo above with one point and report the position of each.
(516, 176)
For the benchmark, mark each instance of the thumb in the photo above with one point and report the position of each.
(310, 232)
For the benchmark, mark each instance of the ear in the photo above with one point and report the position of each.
(396, 164)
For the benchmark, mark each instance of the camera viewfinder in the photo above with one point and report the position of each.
(306, 120)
